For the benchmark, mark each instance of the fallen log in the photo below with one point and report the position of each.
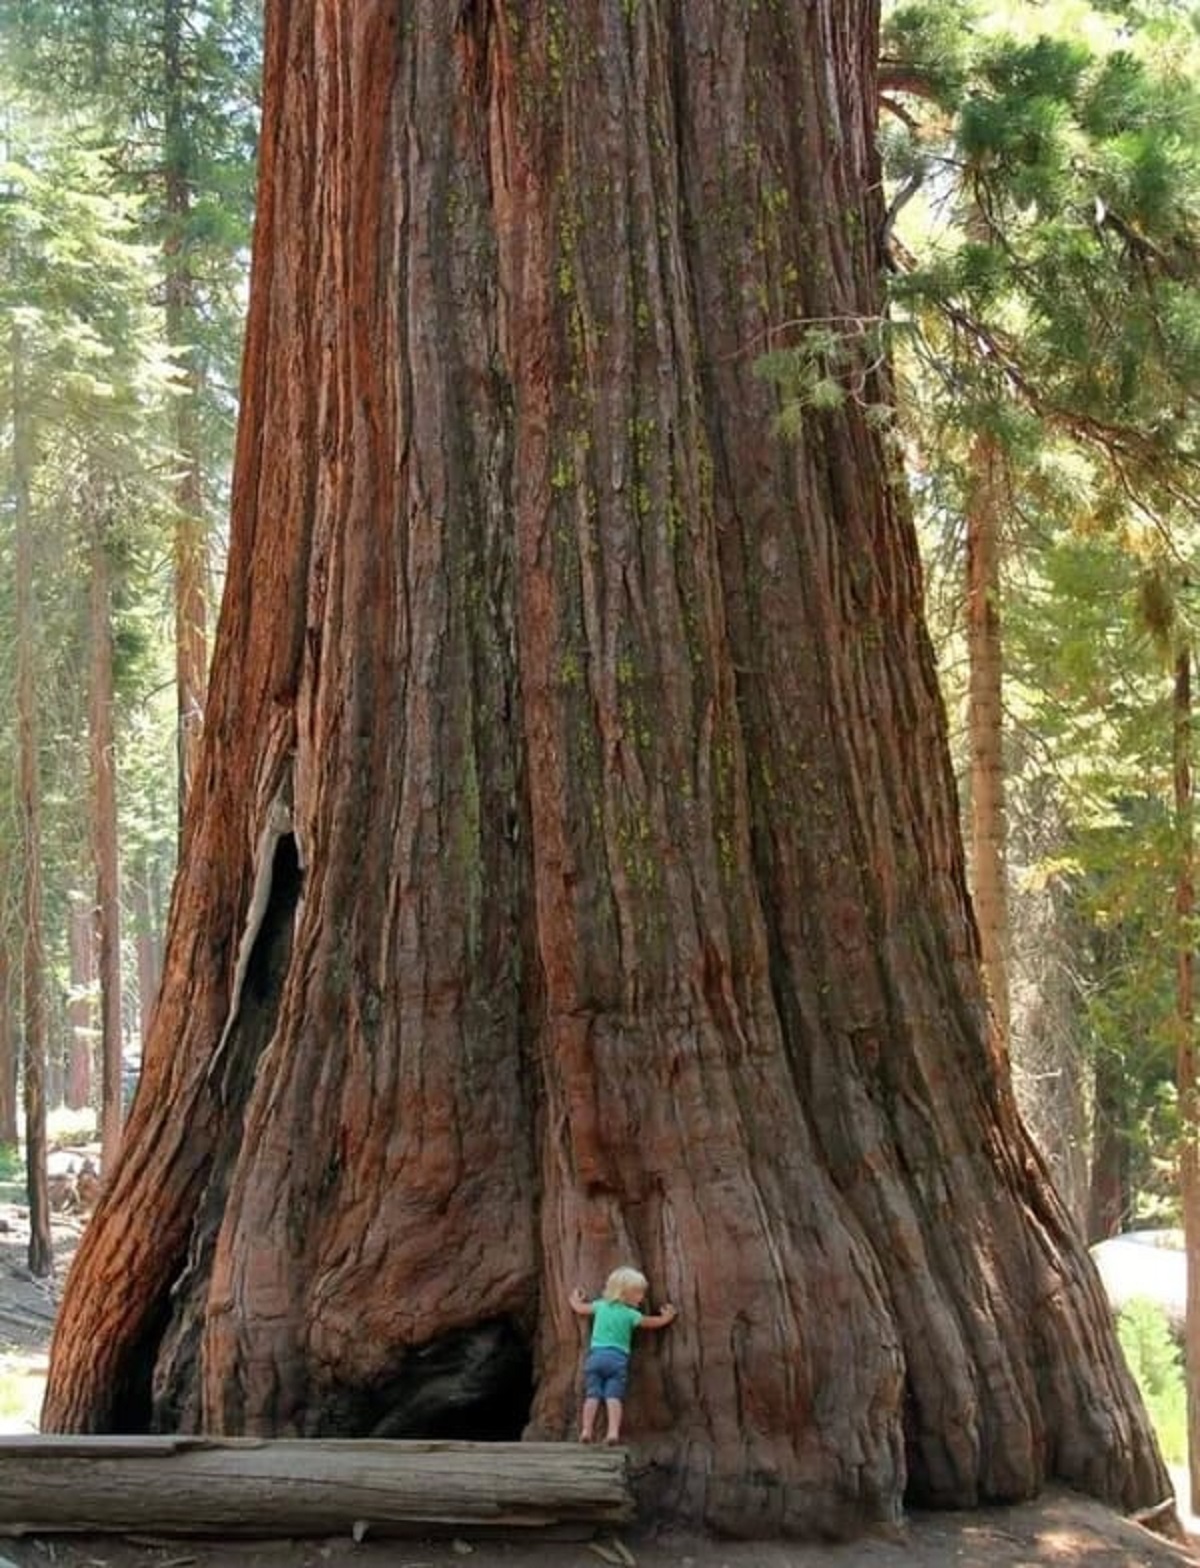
(196, 1486)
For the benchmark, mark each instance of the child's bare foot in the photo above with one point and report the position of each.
(585, 1437)
(612, 1440)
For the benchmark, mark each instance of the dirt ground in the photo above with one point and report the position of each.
(1059, 1530)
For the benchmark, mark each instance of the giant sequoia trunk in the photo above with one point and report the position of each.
(573, 873)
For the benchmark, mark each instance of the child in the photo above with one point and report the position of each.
(606, 1370)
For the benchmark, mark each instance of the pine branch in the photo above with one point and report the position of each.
(1123, 444)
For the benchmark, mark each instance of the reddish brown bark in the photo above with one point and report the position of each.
(573, 873)
(989, 876)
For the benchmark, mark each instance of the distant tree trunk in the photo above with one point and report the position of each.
(33, 978)
(986, 716)
(573, 871)
(8, 1042)
(54, 1076)
(81, 1010)
(1185, 1020)
(1109, 1196)
(191, 531)
(149, 943)
(104, 845)
(98, 29)
(1053, 1072)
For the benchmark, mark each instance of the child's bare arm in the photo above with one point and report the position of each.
(580, 1303)
(659, 1319)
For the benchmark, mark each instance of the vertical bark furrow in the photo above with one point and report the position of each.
(642, 1065)
(824, 604)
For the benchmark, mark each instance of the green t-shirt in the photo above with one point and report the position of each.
(613, 1323)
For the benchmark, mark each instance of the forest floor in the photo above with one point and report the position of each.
(1058, 1530)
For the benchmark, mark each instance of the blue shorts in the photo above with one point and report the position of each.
(606, 1373)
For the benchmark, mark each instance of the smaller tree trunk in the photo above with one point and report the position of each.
(191, 613)
(8, 1049)
(81, 1008)
(988, 828)
(307, 1487)
(41, 1254)
(1185, 1018)
(104, 849)
(149, 946)
(1108, 1189)
(191, 543)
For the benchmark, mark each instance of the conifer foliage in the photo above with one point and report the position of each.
(1049, 297)
(105, 390)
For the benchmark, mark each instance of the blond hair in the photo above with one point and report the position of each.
(621, 1281)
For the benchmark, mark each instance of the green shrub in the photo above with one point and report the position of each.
(20, 1400)
(1157, 1366)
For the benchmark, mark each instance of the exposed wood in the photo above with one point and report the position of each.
(255, 1487)
(1154, 1517)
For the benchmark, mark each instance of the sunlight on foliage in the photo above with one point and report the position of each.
(66, 1126)
(1157, 1367)
(22, 1386)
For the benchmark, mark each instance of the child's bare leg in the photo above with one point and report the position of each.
(588, 1423)
(613, 1409)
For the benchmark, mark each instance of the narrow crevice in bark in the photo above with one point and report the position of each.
(265, 946)
(132, 1390)
(175, 1405)
(265, 972)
